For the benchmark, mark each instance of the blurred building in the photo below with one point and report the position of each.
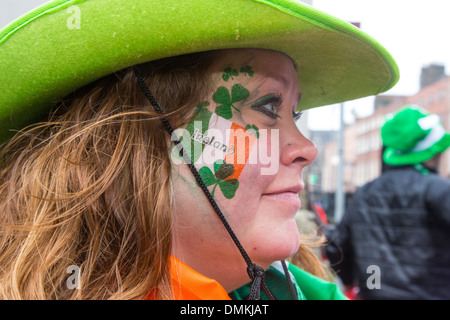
(431, 74)
(331, 162)
(316, 170)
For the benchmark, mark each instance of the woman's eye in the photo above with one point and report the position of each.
(270, 109)
(268, 105)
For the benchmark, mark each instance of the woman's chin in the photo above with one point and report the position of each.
(280, 248)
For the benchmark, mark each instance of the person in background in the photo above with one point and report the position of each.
(394, 239)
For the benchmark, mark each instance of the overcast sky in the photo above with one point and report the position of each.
(11, 9)
(415, 32)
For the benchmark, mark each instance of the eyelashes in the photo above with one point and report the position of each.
(269, 105)
(297, 115)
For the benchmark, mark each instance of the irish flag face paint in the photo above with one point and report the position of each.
(218, 147)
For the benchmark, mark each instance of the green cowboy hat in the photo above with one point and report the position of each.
(412, 136)
(66, 44)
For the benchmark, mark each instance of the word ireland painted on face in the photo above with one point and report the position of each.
(212, 142)
(220, 148)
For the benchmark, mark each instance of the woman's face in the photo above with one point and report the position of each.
(250, 153)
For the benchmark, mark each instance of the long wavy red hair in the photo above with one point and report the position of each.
(91, 187)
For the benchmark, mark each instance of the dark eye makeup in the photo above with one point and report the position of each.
(269, 105)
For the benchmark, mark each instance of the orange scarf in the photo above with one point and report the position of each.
(188, 284)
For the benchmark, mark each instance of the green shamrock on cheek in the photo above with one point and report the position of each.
(201, 123)
(248, 70)
(229, 73)
(226, 101)
(253, 129)
(222, 170)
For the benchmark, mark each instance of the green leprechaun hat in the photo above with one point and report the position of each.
(412, 136)
(66, 44)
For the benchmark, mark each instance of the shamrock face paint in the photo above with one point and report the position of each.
(245, 124)
(214, 142)
(226, 100)
(219, 148)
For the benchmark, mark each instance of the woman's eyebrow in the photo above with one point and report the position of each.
(253, 95)
(276, 77)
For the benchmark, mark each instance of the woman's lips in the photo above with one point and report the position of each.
(286, 197)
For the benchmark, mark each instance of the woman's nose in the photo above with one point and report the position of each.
(297, 148)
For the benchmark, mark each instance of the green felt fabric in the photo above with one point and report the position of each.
(402, 132)
(307, 286)
(42, 59)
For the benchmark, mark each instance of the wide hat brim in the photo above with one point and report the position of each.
(395, 157)
(66, 44)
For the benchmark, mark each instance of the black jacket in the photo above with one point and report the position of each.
(396, 228)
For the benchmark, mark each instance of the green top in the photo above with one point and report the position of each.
(307, 286)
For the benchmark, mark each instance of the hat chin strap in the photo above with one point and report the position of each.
(255, 272)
